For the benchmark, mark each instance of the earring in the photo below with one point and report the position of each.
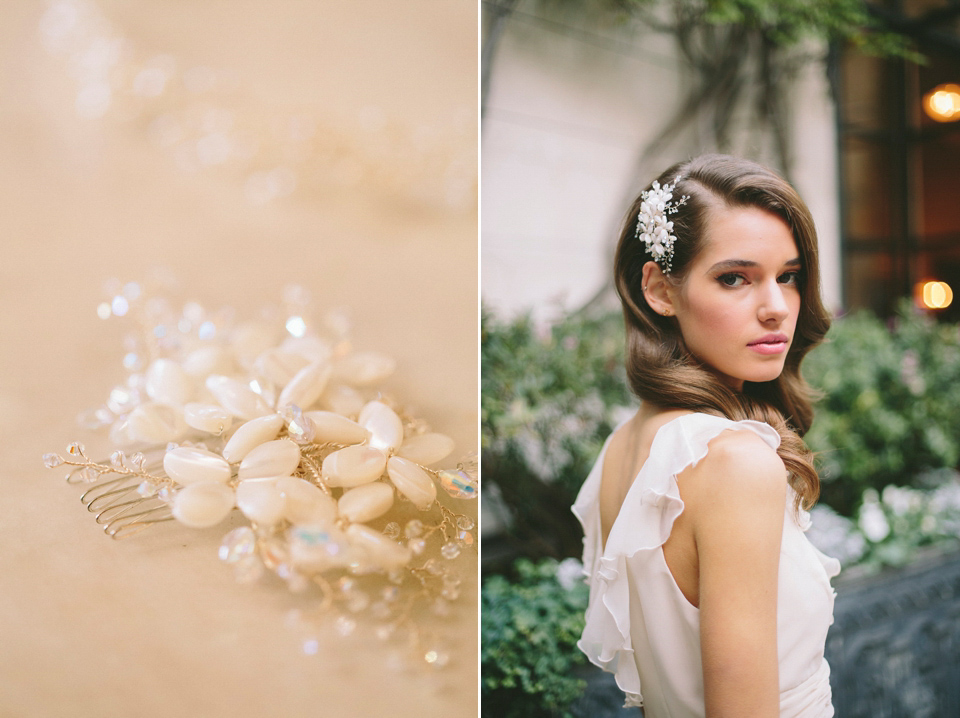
(666, 312)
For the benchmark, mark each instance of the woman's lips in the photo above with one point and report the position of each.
(770, 344)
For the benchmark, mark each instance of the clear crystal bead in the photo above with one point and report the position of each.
(465, 537)
(248, 569)
(346, 584)
(390, 594)
(117, 458)
(344, 625)
(392, 530)
(238, 544)
(166, 494)
(450, 550)
(413, 528)
(433, 567)
(51, 461)
(89, 474)
(451, 593)
(146, 489)
(417, 546)
(470, 465)
(299, 427)
(75, 449)
(459, 484)
(465, 523)
(451, 579)
(138, 460)
(123, 399)
(437, 656)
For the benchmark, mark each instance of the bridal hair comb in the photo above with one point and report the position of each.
(653, 227)
(280, 418)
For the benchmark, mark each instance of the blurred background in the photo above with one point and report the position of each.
(858, 105)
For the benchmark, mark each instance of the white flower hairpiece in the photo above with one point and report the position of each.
(653, 228)
(282, 419)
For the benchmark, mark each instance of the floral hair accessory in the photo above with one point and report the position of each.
(346, 496)
(653, 228)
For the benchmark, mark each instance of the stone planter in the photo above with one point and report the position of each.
(894, 648)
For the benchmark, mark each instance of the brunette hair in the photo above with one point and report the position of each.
(660, 367)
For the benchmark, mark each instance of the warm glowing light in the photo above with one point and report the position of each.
(934, 295)
(942, 103)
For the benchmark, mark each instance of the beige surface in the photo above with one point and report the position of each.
(155, 625)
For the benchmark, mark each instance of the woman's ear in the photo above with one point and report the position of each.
(657, 290)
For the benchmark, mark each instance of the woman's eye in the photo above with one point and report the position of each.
(731, 280)
(789, 278)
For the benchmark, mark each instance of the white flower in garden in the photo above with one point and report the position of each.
(900, 500)
(569, 573)
(873, 522)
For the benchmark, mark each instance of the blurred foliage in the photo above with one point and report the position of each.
(889, 409)
(551, 396)
(785, 23)
(528, 635)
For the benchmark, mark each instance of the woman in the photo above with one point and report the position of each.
(706, 599)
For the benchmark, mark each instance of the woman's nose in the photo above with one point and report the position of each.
(773, 303)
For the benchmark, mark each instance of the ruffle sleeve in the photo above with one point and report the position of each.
(652, 504)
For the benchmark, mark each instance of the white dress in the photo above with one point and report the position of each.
(639, 625)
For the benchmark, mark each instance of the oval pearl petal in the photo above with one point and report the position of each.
(365, 503)
(250, 435)
(187, 465)
(306, 387)
(167, 383)
(152, 423)
(205, 361)
(280, 457)
(385, 427)
(328, 426)
(412, 481)
(353, 466)
(207, 417)
(342, 399)
(279, 366)
(306, 503)
(201, 505)
(381, 550)
(261, 501)
(426, 449)
(365, 368)
(237, 397)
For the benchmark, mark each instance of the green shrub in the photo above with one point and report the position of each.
(528, 633)
(549, 400)
(889, 410)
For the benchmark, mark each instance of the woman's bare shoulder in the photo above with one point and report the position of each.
(739, 465)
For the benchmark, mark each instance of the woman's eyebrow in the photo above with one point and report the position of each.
(741, 263)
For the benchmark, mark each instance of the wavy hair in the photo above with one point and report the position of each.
(662, 370)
